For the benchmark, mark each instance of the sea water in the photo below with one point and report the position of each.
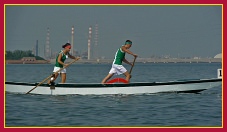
(146, 110)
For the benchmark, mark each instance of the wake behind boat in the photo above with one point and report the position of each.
(187, 86)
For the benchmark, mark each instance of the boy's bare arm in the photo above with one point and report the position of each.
(128, 51)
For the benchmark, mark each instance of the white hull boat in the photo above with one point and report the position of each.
(187, 86)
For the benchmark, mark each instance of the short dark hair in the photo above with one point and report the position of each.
(63, 46)
(128, 41)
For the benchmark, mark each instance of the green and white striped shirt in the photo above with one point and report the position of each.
(119, 56)
(63, 58)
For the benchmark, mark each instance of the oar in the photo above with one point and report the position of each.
(51, 76)
(132, 65)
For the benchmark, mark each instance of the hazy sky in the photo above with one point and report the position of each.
(184, 31)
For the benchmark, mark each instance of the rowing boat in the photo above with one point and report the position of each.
(187, 86)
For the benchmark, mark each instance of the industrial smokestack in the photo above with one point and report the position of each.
(95, 50)
(36, 48)
(72, 49)
(47, 46)
(89, 43)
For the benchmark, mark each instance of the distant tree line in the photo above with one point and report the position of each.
(19, 54)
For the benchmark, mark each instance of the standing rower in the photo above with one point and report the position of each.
(117, 67)
(60, 59)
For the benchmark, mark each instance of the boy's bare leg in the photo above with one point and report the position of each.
(127, 76)
(63, 77)
(107, 78)
(54, 76)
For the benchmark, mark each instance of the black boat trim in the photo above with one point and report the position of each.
(135, 84)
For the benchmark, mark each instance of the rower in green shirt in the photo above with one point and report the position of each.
(60, 59)
(117, 67)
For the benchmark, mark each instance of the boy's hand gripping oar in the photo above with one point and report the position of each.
(51, 76)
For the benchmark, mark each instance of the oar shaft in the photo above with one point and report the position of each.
(132, 65)
(51, 76)
(39, 84)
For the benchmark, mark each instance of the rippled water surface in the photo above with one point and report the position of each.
(169, 109)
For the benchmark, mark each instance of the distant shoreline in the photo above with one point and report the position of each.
(27, 62)
(138, 60)
(153, 60)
